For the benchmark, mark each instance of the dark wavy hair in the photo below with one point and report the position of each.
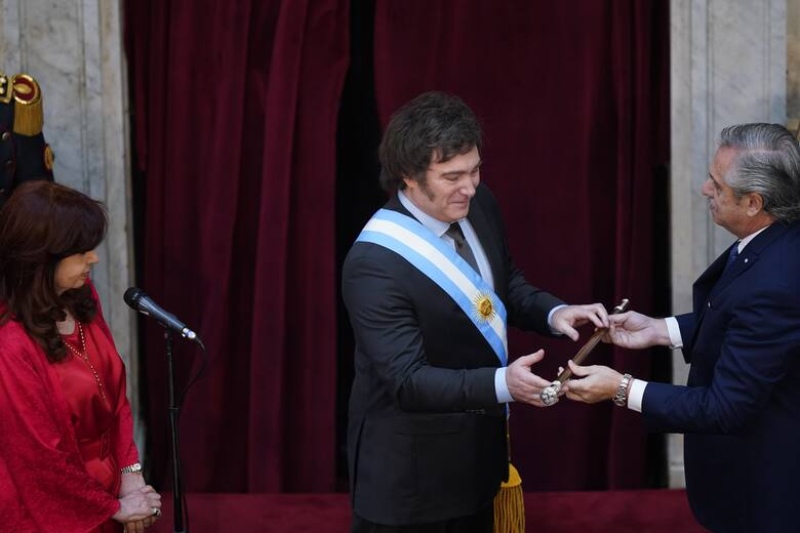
(434, 124)
(41, 224)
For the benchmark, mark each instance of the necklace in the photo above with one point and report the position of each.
(84, 356)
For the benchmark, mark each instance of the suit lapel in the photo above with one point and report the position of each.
(489, 242)
(747, 258)
(717, 278)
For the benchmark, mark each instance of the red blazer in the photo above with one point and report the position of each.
(44, 485)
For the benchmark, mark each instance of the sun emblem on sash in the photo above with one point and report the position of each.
(484, 309)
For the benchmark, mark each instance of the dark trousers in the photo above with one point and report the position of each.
(480, 522)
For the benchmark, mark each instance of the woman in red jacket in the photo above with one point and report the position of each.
(68, 461)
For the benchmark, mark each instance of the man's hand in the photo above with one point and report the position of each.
(634, 331)
(523, 384)
(567, 318)
(596, 383)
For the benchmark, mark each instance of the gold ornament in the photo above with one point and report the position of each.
(28, 112)
(484, 307)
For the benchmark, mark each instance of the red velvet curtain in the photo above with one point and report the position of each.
(235, 107)
(572, 96)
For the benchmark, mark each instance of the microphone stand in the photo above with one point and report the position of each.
(174, 412)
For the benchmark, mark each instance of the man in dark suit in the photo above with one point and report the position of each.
(24, 154)
(741, 408)
(429, 287)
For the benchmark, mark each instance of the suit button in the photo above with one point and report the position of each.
(10, 166)
(6, 136)
(709, 304)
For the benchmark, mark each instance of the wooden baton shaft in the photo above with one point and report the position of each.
(590, 344)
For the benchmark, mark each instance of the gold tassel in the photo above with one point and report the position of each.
(28, 109)
(509, 505)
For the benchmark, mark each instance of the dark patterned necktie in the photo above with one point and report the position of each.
(462, 246)
(732, 255)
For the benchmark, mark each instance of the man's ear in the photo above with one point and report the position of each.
(755, 203)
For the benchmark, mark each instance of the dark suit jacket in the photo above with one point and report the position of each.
(426, 436)
(741, 408)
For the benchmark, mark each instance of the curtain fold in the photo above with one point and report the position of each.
(235, 110)
(235, 117)
(570, 95)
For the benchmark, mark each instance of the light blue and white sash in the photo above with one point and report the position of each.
(440, 262)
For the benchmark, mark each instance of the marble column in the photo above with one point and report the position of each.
(728, 66)
(74, 49)
(793, 64)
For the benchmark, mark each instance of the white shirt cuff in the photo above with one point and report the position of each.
(501, 387)
(550, 317)
(636, 395)
(674, 330)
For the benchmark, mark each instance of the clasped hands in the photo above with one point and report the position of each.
(591, 383)
(140, 504)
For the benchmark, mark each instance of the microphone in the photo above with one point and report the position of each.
(139, 301)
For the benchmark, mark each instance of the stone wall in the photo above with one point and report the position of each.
(74, 49)
(728, 66)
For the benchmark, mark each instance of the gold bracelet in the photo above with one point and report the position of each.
(131, 469)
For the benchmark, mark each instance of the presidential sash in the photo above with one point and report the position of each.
(439, 262)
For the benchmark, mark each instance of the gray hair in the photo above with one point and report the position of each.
(767, 163)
